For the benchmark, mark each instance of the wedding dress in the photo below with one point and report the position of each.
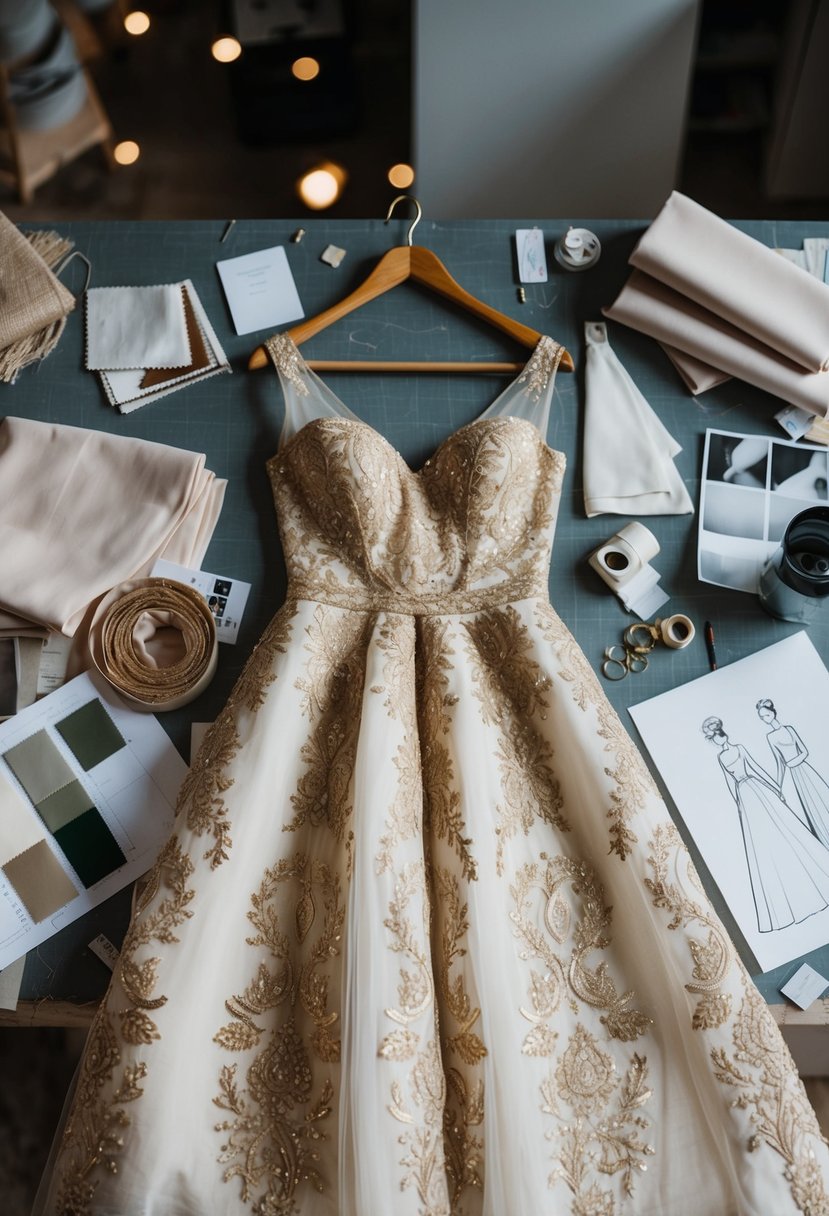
(425, 940)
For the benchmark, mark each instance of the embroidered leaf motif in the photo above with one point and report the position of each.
(305, 913)
(557, 918)
(469, 1047)
(137, 1027)
(238, 1036)
(399, 1045)
(541, 1041)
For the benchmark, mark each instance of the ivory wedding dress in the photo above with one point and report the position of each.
(425, 940)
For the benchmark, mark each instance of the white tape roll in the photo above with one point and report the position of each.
(676, 631)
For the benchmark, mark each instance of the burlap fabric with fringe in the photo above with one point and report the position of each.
(33, 303)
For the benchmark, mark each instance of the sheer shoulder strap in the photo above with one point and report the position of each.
(529, 396)
(306, 396)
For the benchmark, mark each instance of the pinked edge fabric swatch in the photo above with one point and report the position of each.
(90, 734)
(90, 847)
(136, 327)
(19, 827)
(38, 766)
(40, 881)
(129, 390)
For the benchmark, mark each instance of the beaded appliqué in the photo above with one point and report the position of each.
(541, 367)
(288, 361)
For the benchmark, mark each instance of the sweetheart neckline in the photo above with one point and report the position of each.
(505, 419)
(350, 417)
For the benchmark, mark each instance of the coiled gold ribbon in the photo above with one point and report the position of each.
(154, 640)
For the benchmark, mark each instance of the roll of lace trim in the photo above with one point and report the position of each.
(154, 640)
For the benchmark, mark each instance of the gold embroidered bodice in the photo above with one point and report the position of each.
(472, 529)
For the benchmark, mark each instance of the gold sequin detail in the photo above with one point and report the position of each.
(287, 361)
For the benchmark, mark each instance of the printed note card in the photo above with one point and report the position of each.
(260, 290)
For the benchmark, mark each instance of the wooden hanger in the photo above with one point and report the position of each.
(419, 264)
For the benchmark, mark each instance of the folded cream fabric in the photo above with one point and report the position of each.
(34, 304)
(628, 453)
(136, 327)
(698, 376)
(82, 510)
(657, 310)
(740, 279)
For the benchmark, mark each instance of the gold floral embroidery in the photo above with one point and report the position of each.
(512, 690)
(288, 361)
(541, 367)
(269, 1145)
(434, 705)
(93, 1136)
(396, 639)
(423, 1140)
(633, 784)
(260, 670)
(464, 1110)
(597, 1139)
(713, 956)
(415, 992)
(763, 1074)
(591, 931)
(333, 692)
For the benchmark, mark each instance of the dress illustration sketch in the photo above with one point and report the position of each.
(425, 941)
(811, 793)
(788, 869)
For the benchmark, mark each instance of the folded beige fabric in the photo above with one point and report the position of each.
(628, 453)
(33, 303)
(664, 314)
(740, 279)
(82, 510)
(698, 376)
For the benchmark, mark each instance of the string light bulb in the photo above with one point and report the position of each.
(127, 152)
(136, 22)
(226, 49)
(305, 68)
(322, 186)
(401, 176)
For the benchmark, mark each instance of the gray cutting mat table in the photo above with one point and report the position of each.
(235, 420)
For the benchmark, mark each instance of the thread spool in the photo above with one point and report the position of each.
(622, 557)
(577, 249)
(676, 631)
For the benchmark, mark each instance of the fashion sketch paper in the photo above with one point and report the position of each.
(743, 753)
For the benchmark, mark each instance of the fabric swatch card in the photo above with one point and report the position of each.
(136, 327)
(87, 797)
(132, 388)
(260, 290)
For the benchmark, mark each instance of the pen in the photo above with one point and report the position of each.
(709, 645)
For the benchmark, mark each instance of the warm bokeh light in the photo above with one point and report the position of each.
(226, 49)
(136, 22)
(401, 176)
(127, 152)
(305, 68)
(322, 186)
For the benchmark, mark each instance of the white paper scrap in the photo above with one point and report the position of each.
(260, 290)
(103, 949)
(532, 260)
(805, 986)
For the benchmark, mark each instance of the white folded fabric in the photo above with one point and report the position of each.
(628, 453)
(657, 310)
(740, 279)
(698, 376)
(82, 510)
(136, 327)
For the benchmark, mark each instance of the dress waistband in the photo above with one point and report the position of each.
(447, 603)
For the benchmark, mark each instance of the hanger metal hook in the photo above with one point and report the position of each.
(402, 198)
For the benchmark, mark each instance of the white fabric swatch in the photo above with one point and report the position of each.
(136, 327)
(628, 453)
